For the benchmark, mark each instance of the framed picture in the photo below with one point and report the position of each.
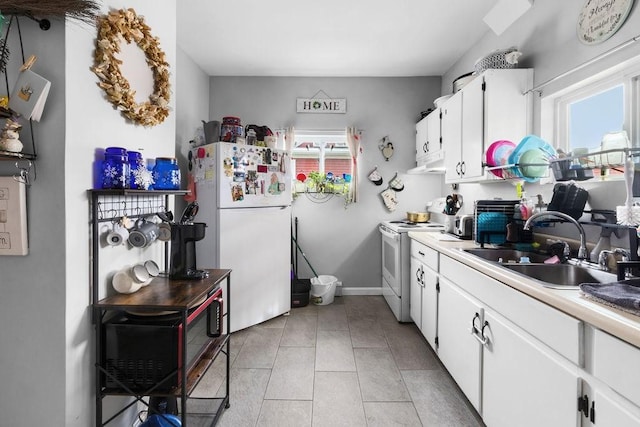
(13, 217)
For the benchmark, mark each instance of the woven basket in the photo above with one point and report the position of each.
(500, 59)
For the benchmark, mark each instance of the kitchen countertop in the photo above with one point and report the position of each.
(621, 324)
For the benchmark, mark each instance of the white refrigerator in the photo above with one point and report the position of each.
(244, 196)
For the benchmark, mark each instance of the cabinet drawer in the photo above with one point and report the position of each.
(617, 363)
(563, 333)
(425, 254)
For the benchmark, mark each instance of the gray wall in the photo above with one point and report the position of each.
(33, 287)
(192, 106)
(338, 241)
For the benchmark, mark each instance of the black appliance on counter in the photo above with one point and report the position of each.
(183, 250)
(142, 351)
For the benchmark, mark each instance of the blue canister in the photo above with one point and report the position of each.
(115, 168)
(137, 166)
(166, 174)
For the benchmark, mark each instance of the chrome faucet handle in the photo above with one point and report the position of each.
(603, 257)
(623, 252)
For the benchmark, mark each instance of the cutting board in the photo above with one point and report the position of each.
(13, 217)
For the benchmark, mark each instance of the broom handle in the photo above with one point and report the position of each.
(304, 256)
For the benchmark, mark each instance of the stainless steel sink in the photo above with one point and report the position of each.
(562, 275)
(506, 255)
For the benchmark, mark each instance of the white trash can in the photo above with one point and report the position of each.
(323, 289)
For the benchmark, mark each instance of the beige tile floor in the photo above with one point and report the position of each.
(345, 364)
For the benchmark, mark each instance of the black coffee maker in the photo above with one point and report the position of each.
(184, 236)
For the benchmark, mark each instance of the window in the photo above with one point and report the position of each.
(578, 117)
(321, 153)
(594, 116)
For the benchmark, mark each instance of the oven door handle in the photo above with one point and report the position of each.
(389, 234)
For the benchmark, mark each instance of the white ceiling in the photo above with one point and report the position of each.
(329, 37)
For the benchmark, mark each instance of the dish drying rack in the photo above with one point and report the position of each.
(490, 220)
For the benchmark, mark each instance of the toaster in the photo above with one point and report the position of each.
(464, 226)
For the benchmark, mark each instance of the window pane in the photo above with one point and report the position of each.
(592, 117)
(337, 166)
(306, 165)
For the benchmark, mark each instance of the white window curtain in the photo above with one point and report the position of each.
(353, 141)
(289, 138)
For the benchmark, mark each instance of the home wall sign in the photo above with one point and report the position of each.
(601, 19)
(325, 105)
(125, 24)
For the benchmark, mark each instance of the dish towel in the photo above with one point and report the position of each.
(624, 295)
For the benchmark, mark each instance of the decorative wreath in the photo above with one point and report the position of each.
(127, 25)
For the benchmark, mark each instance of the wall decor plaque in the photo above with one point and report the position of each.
(321, 105)
(601, 19)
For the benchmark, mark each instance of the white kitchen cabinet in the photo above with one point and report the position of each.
(610, 385)
(515, 358)
(452, 138)
(424, 290)
(415, 306)
(491, 107)
(524, 381)
(421, 141)
(608, 409)
(458, 350)
(428, 139)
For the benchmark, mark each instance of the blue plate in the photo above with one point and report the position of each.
(530, 142)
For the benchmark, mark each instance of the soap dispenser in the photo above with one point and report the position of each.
(604, 242)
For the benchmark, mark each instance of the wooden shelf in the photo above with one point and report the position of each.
(164, 294)
(203, 362)
(130, 192)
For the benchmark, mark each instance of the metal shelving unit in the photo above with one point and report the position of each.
(192, 300)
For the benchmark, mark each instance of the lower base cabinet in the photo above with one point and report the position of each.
(610, 393)
(523, 381)
(458, 350)
(606, 409)
(521, 362)
(505, 374)
(424, 291)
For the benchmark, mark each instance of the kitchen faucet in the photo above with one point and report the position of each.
(582, 251)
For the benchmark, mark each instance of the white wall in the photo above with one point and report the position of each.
(92, 123)
(338, 241)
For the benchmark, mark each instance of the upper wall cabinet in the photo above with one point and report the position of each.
(491, 107)
(428, 139)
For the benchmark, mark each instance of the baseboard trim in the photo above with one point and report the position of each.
(361, 291)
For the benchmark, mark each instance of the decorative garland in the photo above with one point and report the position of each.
(129, 26)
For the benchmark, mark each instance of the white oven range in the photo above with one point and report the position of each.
(396, 261)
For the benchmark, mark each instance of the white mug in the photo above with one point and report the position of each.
(124, 283)
(118, 235)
